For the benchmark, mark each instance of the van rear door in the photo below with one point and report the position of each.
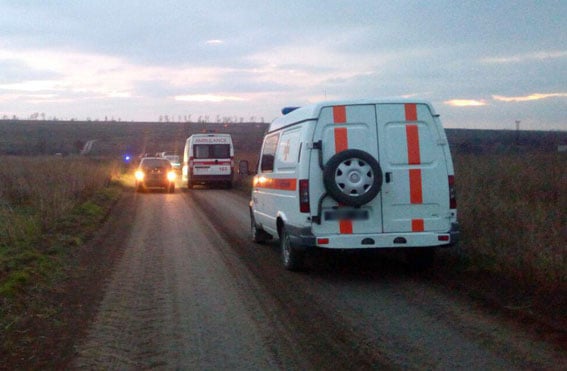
(415, 192)
(212, 156)
(343, 128)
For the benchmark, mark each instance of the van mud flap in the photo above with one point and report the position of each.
(317, 218)
(301, 238)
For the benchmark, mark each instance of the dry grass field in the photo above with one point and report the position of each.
(513, 215)
(36, 195)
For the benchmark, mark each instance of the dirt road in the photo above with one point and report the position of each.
(192, 292)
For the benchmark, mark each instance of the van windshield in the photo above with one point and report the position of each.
(212, 151)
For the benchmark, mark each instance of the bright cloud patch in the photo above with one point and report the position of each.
(539, 56)
(207, 98)
(530, 97)
(214, 42)
(465, 102)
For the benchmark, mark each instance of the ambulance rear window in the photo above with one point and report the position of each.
(212, 151)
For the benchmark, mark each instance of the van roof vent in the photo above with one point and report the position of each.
(287, 110)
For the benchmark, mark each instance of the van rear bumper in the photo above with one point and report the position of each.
(210, 178)
(303, 237)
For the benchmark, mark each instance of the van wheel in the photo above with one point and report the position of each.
(292, 257)
(171, 188)
(352, 177)
(258, 235)
(189, 184)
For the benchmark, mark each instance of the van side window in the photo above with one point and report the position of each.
(268, 153)
(288, 150)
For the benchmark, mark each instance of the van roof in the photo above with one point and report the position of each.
(312, 111)
(196, 136)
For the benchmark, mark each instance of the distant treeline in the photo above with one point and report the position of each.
(118, 138)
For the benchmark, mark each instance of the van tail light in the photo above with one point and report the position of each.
(452, 192)
(304, 196)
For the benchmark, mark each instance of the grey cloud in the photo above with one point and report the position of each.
(14, 71)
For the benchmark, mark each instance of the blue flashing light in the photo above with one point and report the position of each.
(287, 110)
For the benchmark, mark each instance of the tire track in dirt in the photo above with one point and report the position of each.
(171, 303)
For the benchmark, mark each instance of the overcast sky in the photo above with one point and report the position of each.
(483, 64)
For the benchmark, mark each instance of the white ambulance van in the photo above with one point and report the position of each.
(208, 159)
(362, 174)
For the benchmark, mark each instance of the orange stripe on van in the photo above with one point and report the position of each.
(341, 139)
(417, 225)
(411, 111)
(339, 114)
(412, 134)
(284, 184)
(341, 144)
(414, 156)
(416, 193)
(345, 226)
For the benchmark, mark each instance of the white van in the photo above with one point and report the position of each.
(208, 159)
(356, 175)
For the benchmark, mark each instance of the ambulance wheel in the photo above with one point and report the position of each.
(352, 177)
(292, 257)
(189, 184)
(171, 188)
(258, 235)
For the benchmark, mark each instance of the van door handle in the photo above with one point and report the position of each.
(388, 177)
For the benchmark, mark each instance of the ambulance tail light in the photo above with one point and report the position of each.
(452, 192)
(304, 206)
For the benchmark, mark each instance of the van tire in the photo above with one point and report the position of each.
(189, 184)
(362, 167)
(292, 258)
(258, 235)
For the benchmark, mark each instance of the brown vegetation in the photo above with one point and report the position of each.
(512, 210)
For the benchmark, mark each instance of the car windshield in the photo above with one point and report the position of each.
(172, 158)
(155, 162)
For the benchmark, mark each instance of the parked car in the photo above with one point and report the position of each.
(364, 174)
(155, 172)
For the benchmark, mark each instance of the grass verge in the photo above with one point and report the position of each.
(39, 245)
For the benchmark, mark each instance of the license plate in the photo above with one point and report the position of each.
(346, 214)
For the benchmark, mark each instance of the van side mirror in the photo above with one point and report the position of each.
(243, 167)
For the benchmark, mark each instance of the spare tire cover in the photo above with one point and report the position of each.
(352, 177)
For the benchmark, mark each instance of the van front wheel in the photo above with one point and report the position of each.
(292, 257)
(352, 177)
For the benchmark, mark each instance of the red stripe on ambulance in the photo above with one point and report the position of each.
(414, 158)
(341, 144)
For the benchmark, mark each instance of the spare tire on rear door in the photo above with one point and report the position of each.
(352, 177)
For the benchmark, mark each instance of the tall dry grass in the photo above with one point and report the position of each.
(36, 191)
(513, 215)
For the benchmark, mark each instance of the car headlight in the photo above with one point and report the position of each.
(139, 175)
(171, 175)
